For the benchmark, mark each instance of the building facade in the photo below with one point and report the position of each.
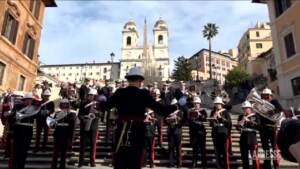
(78, 72)
(284, 16)
(134, 54)
(254, 41)
(20, 27)
(221, 65)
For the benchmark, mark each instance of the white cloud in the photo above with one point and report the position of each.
(78, 31)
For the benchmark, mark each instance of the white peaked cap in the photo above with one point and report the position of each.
(47, 93)
(197, 100)
(93, 91)
(267, 91)
(28, 95)
(135, 71)
(218, 100)
(174, 101)
(246, 104)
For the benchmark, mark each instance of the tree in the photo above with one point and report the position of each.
(237, 76)
(183, 69)
(210, 30)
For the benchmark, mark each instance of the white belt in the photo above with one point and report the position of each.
(248, 129)
(25, 124)
(220, 124)
(63, 124)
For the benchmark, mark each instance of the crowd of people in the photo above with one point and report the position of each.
(134, 115)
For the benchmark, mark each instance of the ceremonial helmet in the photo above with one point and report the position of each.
(46, 93)
(218, 100)
(135, 73)
(174, 101)
(246, 104)
(267, 91)
(197, 100)
(64, 104)
(93, 91)
(28, 96)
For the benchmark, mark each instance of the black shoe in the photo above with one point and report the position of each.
(93, 164)
(151, 164)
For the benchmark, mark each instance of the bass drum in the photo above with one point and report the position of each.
(289, 134)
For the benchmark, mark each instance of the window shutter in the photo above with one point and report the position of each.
(25, 43)
(15, 31)
(37, 9)
(31, 5)
(31, 50)
(4, 23)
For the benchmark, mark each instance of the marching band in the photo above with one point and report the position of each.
(133, 114)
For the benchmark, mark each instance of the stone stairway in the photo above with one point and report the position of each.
(42, 160)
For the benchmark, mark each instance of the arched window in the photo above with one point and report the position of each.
(128, 41)
(160, 39)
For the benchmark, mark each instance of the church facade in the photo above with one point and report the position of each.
(155, 55)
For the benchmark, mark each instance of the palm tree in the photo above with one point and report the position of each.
(210, 30)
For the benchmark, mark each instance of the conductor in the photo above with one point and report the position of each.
(131, 103)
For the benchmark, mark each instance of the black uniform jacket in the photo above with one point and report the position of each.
(248, 130)
(85, 111)
(197, 124)
(221, 123)
(46, 110)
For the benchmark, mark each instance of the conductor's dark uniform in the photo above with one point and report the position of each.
(131, 103)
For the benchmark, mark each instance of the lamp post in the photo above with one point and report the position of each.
(112, 55)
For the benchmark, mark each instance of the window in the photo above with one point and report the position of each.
(281, 6)
(223, 63)
(35, 7)
(296, 86)
(105, 70)
(104, 77)
(57, 68)
(91, 74)
(128, 41)
(21, 83)
(98, 73)
(10, 27)
(2, 69)
(160, 74)
(70, 74)
(257, 34)
(218, 61)
(70, 68)
(227, 64)
(160, 39)
(77, 74)
(259, 45)
(84, 74)
(289, 45)
(63, 74)
(28, 48)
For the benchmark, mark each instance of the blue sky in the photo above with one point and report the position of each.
(84, 31)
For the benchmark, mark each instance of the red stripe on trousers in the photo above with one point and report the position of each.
(277, 159)
(256, 157)
(152, 150)
(180, 154)
(227, 154)
(95, 145)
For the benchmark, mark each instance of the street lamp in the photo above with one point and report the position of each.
(112, 55)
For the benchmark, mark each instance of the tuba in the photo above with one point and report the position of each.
(263, 107)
